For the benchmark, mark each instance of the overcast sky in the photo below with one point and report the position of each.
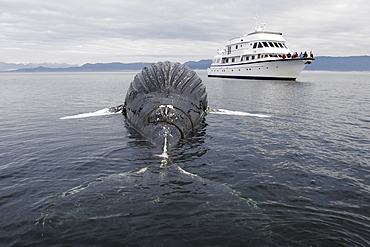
(91, 31)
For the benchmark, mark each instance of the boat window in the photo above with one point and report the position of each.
(253, 57)
(233, 60)
(271, 44)
(236, 47)
(254, 45)
(228, 50)
(281, 45)
(276, 45)
(260, 45)
(265, 44)
(245, 58)
(285, 46)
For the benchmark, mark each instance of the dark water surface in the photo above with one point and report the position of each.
(298, 178)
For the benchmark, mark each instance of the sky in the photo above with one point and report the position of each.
(103, 31)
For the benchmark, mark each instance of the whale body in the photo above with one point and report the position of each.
(156, 204)
(166, 99)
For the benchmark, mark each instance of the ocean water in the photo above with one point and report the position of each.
(278, 163)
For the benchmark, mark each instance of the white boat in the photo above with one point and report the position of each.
(259, 55)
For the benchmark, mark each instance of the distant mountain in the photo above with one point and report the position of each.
(112, 66)
(100, 67)
(355, 63)
(16, 66)
(88, 67)
(202, 64)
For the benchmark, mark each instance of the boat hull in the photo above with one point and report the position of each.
(280, 69)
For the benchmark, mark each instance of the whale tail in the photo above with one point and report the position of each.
(166, 97)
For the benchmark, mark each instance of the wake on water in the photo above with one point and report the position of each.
(113, 110)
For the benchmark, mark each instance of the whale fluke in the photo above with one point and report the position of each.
(166, 99)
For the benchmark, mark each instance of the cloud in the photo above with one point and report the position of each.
(83, 31)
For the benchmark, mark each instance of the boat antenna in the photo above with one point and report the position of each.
(256, 18)
(260, 25)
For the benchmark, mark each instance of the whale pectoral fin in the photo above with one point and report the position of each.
(116, 109)
(142, 170)
(186, 172)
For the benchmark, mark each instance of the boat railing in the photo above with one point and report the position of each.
(266, 56)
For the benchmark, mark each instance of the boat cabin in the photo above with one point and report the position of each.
(256, 45)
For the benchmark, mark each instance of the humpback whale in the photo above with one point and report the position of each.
(156, 205)
(166, 101)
